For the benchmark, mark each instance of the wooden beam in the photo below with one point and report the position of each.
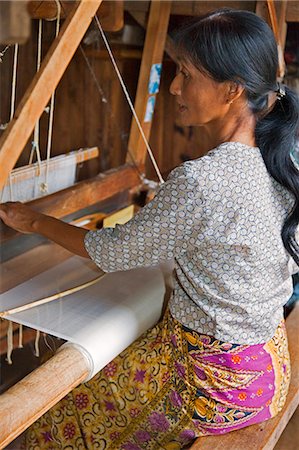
(110, 13)
(145, 97)
(83, 194)
(193, 8)
(44, 83)
(39, 391)
(292, 14)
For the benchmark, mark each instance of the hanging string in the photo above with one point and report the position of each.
(127, 95)
(12, 109)
(35, 142)
(9, 342)
(14, 82)
(36, 343)
(112, 116)
(44, 186)
(20, 345)
(2, 53)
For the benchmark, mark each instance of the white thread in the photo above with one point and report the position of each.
(47, 343)
(3, 53)
(14, 81)
(44, 186)
(12, 109)
(9, 342)
(36, 343)
(35, 143)
(20, 336)
(129, 101)
(112, 116)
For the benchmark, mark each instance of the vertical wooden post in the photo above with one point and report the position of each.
(266, 10)
(39, 92)
(149, 78)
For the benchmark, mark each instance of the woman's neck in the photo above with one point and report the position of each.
(235, 127)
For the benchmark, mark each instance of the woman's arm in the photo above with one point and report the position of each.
(26, 220)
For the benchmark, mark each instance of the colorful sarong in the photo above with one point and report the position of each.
(169, 387)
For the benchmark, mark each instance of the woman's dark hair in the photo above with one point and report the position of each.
(233, 45)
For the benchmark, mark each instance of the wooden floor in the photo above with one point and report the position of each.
(289, 439)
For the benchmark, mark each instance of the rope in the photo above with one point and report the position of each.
(14, 82)
(35, 142)
(2, 53)
(12, 108)
(20, 336)
(112, 116)
(9, 343)
(127, 95)
(44, 186)
(36, 343)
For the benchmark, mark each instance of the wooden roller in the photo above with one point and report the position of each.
(31, 397)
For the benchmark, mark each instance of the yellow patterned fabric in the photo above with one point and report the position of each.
(169, 387)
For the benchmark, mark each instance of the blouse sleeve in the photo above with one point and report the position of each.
(156, 233)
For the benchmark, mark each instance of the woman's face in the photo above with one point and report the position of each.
(201, 100)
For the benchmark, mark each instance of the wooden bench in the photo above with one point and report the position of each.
(265, 435)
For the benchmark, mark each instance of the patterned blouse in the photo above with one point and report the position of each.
(219, 218)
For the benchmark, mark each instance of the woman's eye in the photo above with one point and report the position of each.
(182, 71)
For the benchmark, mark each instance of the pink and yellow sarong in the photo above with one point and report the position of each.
(169, 387)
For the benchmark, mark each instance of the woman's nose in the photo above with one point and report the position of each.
(175, 86)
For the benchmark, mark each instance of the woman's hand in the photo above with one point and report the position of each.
(26, 220)
(19, 216)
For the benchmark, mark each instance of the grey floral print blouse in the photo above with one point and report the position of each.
(219, 218)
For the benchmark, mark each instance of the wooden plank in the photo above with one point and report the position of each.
(292, 14)
(265, 435)
(83, 194)
(45, 390)
(47, 9)
(195, 7)
(152, 54)
(14, 22)
(39, 92)
(290, 437)
(110, 13)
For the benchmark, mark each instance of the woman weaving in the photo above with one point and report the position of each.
(218, 360)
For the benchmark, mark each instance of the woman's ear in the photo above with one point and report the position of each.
(234, 91)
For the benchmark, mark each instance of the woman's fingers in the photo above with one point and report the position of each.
(18, 216)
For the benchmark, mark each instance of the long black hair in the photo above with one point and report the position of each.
(234, 45)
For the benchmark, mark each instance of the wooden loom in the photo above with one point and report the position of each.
(70, 365)
(69, 362)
